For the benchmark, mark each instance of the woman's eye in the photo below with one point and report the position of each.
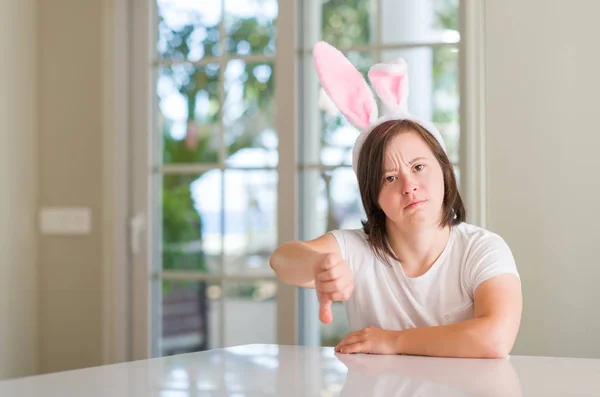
(390, 178)
(419, 167)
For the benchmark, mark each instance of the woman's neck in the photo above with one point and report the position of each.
(418, 249)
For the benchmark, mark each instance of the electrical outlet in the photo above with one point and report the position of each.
(66, 221)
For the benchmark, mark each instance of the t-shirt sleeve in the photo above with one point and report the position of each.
(490, 256)
(352, 246)
(340, 237)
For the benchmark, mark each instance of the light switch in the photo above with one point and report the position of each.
(66, 221)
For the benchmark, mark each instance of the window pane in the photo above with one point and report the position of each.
(434, 86)
(344, 204)
(457, 173)
(250, 221)
(446, 98)
(347, 22)
(422, 21)
(313, 204)
(192, 226)
(250, 312)
(189, 316)
(188, 29)
(330, 200)
(250, 26)
(332, 333)
(445, 14)
(248, 114)
(188, 113)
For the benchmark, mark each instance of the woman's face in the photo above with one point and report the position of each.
(412, 186)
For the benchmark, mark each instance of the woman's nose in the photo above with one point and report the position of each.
(409, 186)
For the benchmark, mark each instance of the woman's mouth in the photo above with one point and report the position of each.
(414, 204)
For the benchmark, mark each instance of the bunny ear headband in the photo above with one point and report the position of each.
(351, 94)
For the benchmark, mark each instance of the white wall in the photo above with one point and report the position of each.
(543, 160)
(71, 167)
(18, 188)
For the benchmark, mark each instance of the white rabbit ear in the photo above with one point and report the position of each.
(345, 86)
(390, 81)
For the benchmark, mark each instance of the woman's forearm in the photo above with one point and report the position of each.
(293, 262)
(476, 338)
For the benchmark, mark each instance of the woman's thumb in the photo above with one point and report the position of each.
(325, 314)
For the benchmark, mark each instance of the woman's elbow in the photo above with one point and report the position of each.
(497, 351)
(498, 343)
(278, 258)
(274, 260)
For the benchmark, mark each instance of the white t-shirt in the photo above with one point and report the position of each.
(384, 297)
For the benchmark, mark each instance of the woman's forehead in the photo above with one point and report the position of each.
(407, 145)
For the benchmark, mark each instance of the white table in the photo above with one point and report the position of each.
(270, 370)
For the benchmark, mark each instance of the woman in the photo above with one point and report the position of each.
(416, 278)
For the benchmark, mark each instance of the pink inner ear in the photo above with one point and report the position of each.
(344, 85)
(395, 82)
(391, 83)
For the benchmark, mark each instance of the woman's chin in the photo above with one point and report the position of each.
(417, 220)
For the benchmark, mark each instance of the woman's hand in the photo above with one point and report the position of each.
(334, 282)
(370, 340)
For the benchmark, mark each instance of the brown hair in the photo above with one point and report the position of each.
(370, 176)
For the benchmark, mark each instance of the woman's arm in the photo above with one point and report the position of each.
(294, 262)
(490, 334)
